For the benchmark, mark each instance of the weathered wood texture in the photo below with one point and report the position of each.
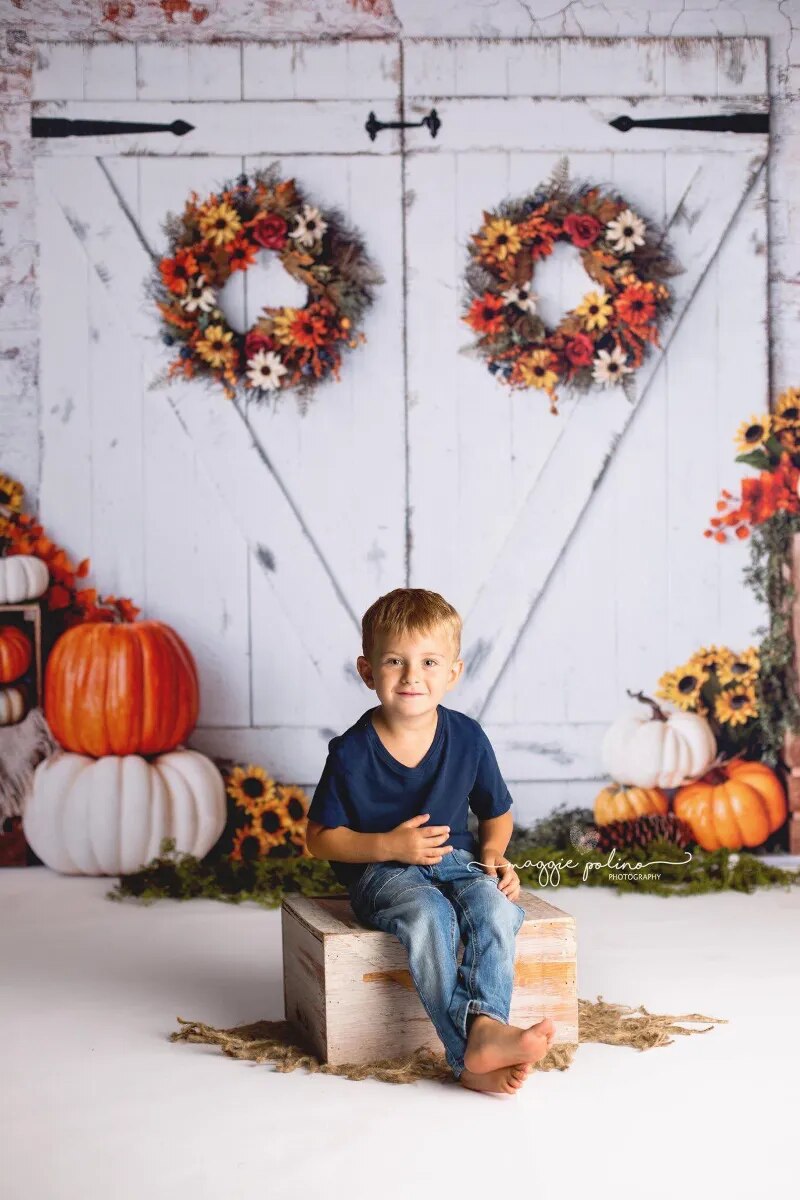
(349, 990)
(574, 553)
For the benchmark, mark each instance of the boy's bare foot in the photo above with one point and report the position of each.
(504, 1079)
(491, 1044)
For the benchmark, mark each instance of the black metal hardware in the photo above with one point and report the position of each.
(730, 123)
(59, 127)
(431, 122)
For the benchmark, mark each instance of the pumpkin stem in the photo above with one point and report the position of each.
(658, 712)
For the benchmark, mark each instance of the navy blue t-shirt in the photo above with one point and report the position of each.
(364, 787)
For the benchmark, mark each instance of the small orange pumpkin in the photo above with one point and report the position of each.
(127, 688)
(619, 803)
(15, 653)
(736, 804)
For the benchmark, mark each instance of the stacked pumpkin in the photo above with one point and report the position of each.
(723, 804)
(120, 699)
(22, 578)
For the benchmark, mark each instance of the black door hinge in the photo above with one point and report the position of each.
(725, 123)
(431, 122)
(59, 127)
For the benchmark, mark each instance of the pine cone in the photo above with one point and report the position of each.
(624, 835)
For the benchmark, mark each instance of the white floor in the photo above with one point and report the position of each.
(98, 1103)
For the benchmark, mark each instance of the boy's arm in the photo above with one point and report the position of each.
(494, 834)
(345, 845)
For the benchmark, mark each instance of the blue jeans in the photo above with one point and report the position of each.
(427, 908)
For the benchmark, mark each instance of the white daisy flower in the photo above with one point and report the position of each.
(265, 369)
(199, 296)
(610, 366)
(310, 226)
(626, 232)
(522, 297)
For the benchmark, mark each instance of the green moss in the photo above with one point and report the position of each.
(267, 880)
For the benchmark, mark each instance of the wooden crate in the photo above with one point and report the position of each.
(349, 990)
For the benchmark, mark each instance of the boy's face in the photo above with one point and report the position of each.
(411, 673)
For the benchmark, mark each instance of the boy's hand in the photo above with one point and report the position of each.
(423, 847)
(496, 864)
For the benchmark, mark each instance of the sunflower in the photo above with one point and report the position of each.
(274, 823)
(11, 493)
(486, 314)
(295, 803)
(636, 305)
(251, 788)
(595, 308)
(498, 239)
(282, 324)
(536, 370)
(741, 668)
(683, 687)
(753, 433)
(309, 330)
(220, 223)
(241, 254)
(707, 658)
(215, 347)
(176, 272)
(265, 370)
(539, 236)
(625, 232)
(787, 409)
(736, 706)
(249, 843)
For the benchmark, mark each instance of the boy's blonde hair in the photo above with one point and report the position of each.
(409, 610)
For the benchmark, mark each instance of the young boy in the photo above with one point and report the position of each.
(390, 813)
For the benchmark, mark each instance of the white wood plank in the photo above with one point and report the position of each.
(690, 67)
(303, 70)
(534, 67)
(553, 752)
(742, 387)
(518, 576)
(215, 72)
(570, 126)
(65, 496)
(252, 128)
(742, 66)
(115, 399)
(588, 65)
(110, 71)
(162, 71)
(58, 71)
(429, 67)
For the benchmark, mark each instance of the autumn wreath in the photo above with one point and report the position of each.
(605, 338)
(286, 347)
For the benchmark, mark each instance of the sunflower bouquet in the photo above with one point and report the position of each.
(265, 818)
(721, 685)
(771, 444)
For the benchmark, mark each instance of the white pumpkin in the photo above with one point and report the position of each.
(107, 816)
(22, 577)
(12, 705)
(659, 748)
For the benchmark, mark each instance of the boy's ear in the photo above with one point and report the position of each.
(364, 668)
(457, 668)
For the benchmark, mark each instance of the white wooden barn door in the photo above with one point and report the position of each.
(574, 552)
(572, 544)
(260, 534)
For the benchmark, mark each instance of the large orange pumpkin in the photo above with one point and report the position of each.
(15, 653)
(737, 804)
(618, 803)
(121, 689)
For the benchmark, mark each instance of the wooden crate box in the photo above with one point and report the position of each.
(349, 990)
